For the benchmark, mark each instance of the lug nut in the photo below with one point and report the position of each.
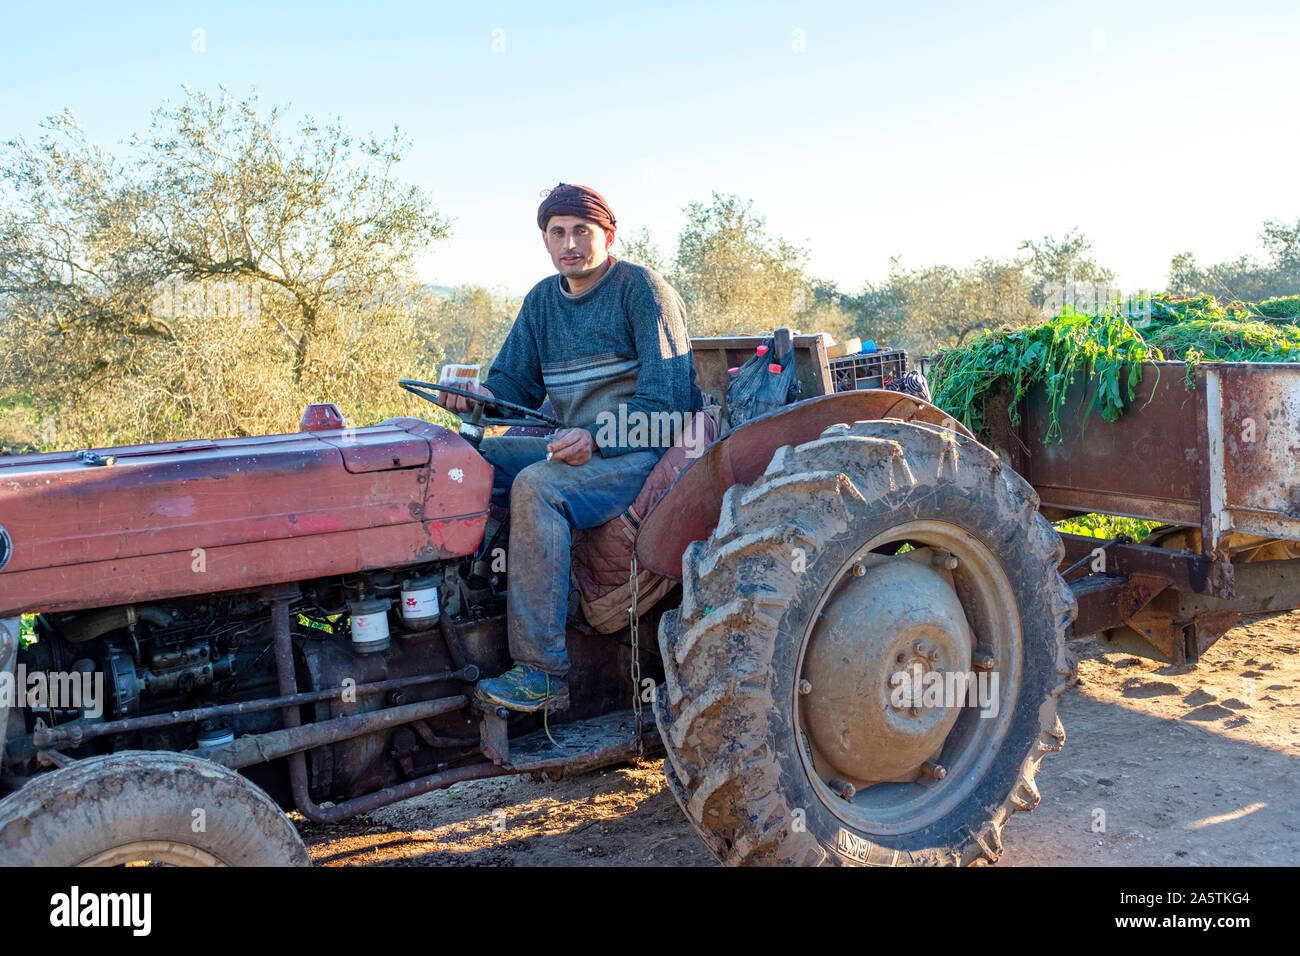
(982, 661)
(859, 569)
(805, 687)
(946, 561)
(933, 770)
(842, 787)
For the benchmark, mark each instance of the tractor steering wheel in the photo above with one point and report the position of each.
(473, 425)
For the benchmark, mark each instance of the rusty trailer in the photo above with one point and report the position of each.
(1211, 454)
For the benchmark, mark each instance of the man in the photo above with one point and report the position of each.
(602, 338)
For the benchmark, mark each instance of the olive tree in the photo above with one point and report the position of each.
(472, 324)
(736, 277)
(1056, 262)
(222, 272)
(1245, 278)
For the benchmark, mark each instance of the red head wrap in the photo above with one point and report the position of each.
(584, 202)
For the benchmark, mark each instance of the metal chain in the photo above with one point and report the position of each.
(638, 718)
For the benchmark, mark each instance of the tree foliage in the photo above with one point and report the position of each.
(472, 324)
(309, 227)
(641, 248)
(731, 272)
(1055, 263)
(924, 309)
(735, 277)
(1246, 278)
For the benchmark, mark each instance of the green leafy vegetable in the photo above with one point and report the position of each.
(1110, 349)
(1051, 354)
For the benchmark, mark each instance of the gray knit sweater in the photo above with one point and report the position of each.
(621, 342)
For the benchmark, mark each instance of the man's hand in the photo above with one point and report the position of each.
(572, 446)
(459, 403)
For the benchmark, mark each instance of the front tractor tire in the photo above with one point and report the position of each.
(879, 550)
(136, 807)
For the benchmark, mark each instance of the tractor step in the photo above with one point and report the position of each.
(584, 744)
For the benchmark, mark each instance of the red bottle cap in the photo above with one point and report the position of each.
(761, 350)
(775, 367)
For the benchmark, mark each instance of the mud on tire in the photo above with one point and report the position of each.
(738, 760)
(166, 807)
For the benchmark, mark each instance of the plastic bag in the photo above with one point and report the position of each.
(764, 383)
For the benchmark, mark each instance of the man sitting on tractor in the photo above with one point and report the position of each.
(601, 338)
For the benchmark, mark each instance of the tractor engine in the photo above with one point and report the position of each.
(148, 568)
(154, 658)
(215, 650)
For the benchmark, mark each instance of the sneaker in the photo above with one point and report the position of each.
(525, 688)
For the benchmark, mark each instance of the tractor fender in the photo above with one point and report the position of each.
(688, 511)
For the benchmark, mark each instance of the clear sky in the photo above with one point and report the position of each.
(938, 131)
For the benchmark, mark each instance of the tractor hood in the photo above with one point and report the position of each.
(145, 522)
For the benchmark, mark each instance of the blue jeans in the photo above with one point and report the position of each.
(547, 500)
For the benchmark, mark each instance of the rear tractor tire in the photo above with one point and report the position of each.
(867, 659)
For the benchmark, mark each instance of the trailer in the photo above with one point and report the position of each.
(1214, 456)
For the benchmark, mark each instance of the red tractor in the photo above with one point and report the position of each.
(227, 628)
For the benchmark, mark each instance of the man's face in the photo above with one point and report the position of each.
(577, 247)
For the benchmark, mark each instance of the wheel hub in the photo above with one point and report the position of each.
(877, 703)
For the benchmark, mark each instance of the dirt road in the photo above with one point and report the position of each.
(1178, 766)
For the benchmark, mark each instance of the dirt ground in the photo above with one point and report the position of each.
(1162, 766)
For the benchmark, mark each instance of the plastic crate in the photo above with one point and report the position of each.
(872, 370)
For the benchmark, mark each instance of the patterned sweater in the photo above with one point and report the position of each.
(622, 342)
